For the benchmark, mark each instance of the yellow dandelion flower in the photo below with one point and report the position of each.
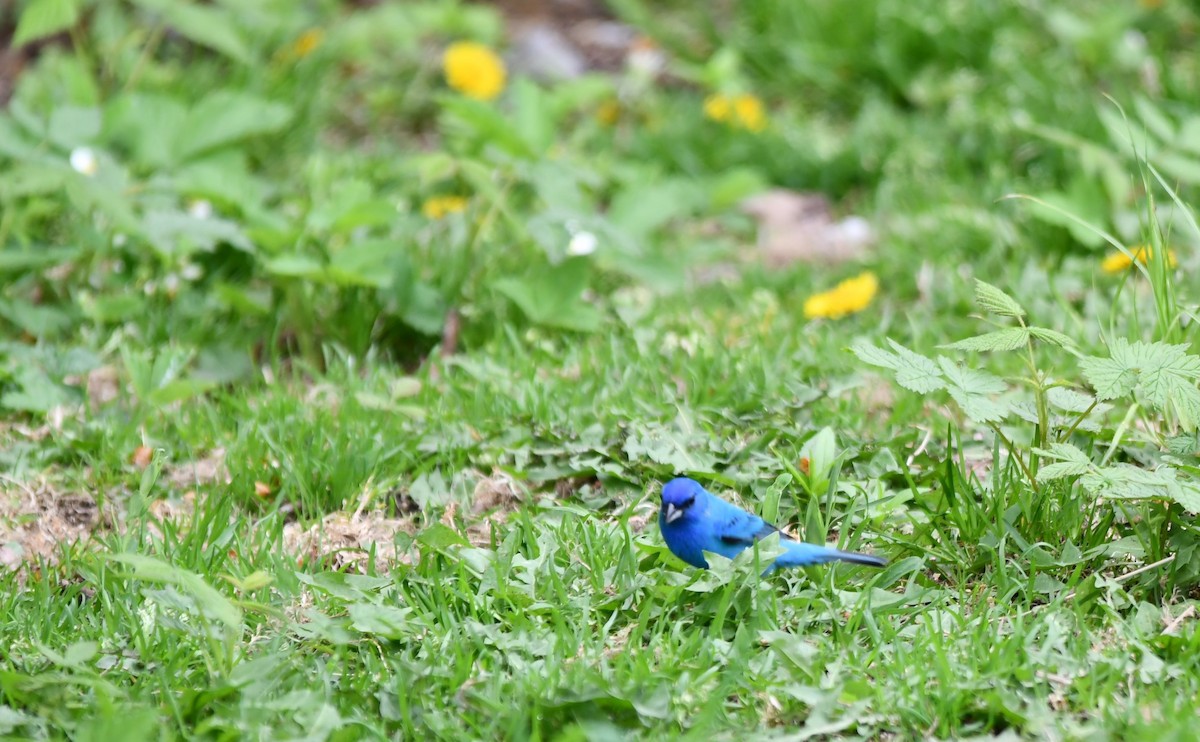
(307, 43)
(743, 111)
(749, 112)
(717, 107)
(609, 112)
(1119, 262)
(442, 206)
(849, 296)
(473, 70)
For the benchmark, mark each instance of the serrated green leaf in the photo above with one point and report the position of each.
(971, 380)
(1188, 495)
(868, 352)
(916, 372)
(1109, 378)
(1127, 482)
(970, 389)
(1163, 374)
(1070, 462)
(1009, 338)
(979, 408)
(1060, 470)
(1053, 337)
(1069, 400)
(1064, 452)
(1187, 444)
(992, 299)
(42, 18)
(1186, 401)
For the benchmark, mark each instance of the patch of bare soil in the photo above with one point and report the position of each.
(37, 521)
(345, 541)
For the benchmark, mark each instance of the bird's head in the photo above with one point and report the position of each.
(680, 497)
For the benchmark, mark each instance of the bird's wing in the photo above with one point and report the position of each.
(736, 527)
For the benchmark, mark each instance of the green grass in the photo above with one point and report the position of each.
(294, 335)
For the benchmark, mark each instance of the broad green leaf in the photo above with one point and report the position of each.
(35, 391)
(1152, 117)
(366, 263)
(295, 266)
(42, 18)
(482, 122)
(206, 596)
(551, 296)
(179, 390)
(17, 260)
(821, 452)
(1083, 204)
(770, 506)
(1010, 338)
(534, 119)
(178, 233)
(148, 125)
(206, 25)
(387, 621)
(81, 653)
(643, 207)
(38, 320)
(441, 538)
(72, 126)
(227, 116)
(1189, 135)
(996, 301)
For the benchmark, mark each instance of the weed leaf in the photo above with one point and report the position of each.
(995, 301)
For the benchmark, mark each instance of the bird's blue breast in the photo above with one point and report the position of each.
(685, 542)
(689, 540)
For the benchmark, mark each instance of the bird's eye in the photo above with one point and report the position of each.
(689, 502)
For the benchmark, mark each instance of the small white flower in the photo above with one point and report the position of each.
(201, 208)
(645, 59)
(191, 272)
(856, 229)
(119, 239)
(84, 161)
(582, 243)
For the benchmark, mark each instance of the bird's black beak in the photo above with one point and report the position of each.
(672, 513)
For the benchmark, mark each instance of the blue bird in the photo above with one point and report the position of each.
(693, 521)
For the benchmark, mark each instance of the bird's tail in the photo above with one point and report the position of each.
(800, 554)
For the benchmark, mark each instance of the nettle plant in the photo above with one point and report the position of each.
(1156, 379)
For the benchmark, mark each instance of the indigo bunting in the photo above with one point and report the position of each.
(693, 521)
